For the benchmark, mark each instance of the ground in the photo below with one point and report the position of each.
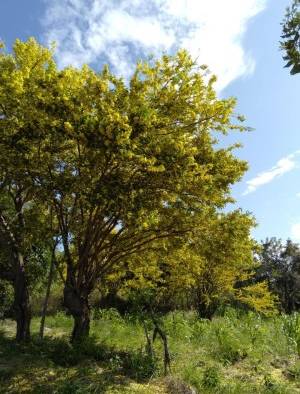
(234, 353)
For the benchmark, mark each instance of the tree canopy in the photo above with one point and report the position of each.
(280, 267)
(291, 37)
(116, 167)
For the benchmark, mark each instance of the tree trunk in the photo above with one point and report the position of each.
(45, 305)
(81, 327)
(78, 306)
(158, 330)
(22, 306)
(206, 311)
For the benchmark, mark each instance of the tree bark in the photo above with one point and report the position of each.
(22, 305)
(158, 330)
(206, 311)
(81, 327)
(77, 304)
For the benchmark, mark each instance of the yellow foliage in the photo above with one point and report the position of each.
(258, 297)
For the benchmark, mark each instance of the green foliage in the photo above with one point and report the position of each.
(69, 387)
(112, 360)
(63, 354)
(209, 267)
(228, 348)
(293, 371)
(279, 267)
(291, 37)
(55, 302)
(83, 151)
(140, 365)
(211, 378)
(6, 298)
(291, 326)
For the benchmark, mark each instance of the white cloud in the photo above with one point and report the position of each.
(120, 31)
(283, 166)
(295, 232)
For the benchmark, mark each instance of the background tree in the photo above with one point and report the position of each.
(280, 267)
(291, 37)
(211, 266)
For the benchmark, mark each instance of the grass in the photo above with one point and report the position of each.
(235, 353)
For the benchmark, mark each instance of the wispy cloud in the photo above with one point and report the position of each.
(121, 31)
(283, 166)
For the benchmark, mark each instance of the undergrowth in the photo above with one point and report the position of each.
(234, 353)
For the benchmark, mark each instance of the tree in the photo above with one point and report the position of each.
(23, 221)
(154, 140)
(212, 265)
(291, 37)
(122, 166)
(280, 267)
(228, 266)
(21, 252)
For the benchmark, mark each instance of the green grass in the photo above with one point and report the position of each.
(235, 353)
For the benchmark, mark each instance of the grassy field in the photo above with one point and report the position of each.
(231, 354)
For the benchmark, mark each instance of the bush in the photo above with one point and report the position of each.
(140, 365)
(69, 387)
(294, 371)
(176, 386)
(211, 377)
(229, 348)
(193, 376)
(5, 374)
(273, 387)
(90, 348)
(106, 314)
(55, 301)
(64, 354)
(291, 327)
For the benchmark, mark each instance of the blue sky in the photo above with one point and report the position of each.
(237, 39)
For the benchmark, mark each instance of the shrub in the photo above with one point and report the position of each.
(229, 349)
(90, 348)
(140, 365)
(192, 375)
(6, 298)
(294, 371)
(271, 386)
(69, 387)
(291, 327)
(211, 377)
(64, 354)
(106, 314)
(5, 374)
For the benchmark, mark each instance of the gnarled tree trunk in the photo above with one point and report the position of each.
(81, 327)
(78, 305)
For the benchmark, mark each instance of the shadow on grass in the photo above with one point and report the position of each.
(54, 365)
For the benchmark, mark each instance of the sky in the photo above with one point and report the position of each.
(237, 39)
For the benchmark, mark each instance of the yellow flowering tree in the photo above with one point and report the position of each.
(121, 165)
